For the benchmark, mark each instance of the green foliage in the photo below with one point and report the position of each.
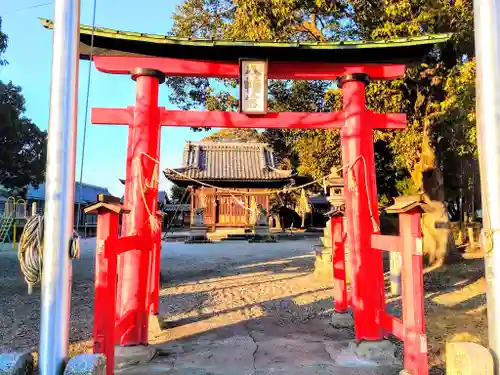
(22, 143)
(437, 95)
(295, 96)
(178, 195)
(261, 19)
(318, 151)
(3, 44)
(455, 133)
(283, 199)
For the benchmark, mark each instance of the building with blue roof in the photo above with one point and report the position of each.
(84, 194)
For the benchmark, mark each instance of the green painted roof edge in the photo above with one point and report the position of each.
(168, 40)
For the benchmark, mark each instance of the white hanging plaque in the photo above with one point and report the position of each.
(253, 86)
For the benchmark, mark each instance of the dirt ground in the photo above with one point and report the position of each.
(215, 290)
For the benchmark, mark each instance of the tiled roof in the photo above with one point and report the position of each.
(84, 193)
(228, 161)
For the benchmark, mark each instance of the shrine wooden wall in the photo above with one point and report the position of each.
(227, 209)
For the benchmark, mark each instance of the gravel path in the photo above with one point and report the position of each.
(226, 282)
(20, 312)
(238, 283)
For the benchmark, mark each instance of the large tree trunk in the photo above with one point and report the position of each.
(438, 241)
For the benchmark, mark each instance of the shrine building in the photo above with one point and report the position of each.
(228, 179)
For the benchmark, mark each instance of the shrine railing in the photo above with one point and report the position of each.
(108, 327)
(410, 327)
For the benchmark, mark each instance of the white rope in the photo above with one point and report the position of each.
(30, 251)
(153, 221)
(352, 186)
(242, 204)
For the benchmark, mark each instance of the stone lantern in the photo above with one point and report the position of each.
(323, 266)
(335, 184)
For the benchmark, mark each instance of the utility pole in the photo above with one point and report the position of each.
(487, 42)
(60, 186)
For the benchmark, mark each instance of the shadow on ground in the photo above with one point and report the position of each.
(287, 338)
(454, 305)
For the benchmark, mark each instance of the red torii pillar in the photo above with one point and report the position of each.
(368, 299)
(141, 196)
(355, 122)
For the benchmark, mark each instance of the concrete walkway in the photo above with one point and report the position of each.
(264, 347)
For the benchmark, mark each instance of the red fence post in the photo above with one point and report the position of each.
(339, 266)
(415, 340)
(367, 279)
(141, 195)
(105, 285)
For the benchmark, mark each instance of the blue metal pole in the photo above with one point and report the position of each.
(60, 186)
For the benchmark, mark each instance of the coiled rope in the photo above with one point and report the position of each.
(30, 251)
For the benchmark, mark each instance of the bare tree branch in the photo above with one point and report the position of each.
(312, 28)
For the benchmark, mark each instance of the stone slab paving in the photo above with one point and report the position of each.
(258, 353)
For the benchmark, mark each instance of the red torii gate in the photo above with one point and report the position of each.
(146, 118)
(139, 244)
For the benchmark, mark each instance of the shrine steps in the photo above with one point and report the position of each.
(262, 346)
(319, 369)
(258, 354)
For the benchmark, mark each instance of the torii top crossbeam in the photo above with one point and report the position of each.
(109, 42)
(218, 58)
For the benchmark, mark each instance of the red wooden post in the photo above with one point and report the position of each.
(105, 287)
(415, 340)
(361, 210)
(141, 195)
(339, 266)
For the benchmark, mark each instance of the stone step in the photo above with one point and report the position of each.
(237, 237)
(257, 353)
(317, 369)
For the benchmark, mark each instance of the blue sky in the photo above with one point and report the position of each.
(30, 54)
